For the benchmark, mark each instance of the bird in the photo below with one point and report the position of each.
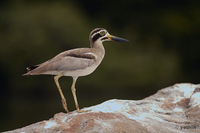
(75, 62)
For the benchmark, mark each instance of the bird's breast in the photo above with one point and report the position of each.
(83, 72)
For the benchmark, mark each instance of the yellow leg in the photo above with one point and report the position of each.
(64, 103)
(74, 94)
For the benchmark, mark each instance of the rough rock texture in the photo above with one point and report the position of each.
(175, 109)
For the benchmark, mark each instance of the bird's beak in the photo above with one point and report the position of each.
(117, 39)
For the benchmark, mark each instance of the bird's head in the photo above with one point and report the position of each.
(100, 35)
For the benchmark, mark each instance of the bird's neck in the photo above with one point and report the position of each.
(98, 46)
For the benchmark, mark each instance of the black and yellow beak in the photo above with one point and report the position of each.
(117, 39)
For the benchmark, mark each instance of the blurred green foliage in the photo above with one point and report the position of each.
(163, 49)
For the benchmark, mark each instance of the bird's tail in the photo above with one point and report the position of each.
(29, 69)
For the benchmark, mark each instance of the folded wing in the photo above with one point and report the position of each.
(66, 61)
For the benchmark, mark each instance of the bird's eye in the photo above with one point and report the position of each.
(102, 33)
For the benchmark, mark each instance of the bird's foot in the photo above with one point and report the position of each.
(83, 111)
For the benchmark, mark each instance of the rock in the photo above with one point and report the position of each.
(175, 109)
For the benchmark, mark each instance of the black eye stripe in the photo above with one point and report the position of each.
(95, 37)
(98, 31)
(95, 31)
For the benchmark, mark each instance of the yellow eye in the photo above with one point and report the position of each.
(102, 33)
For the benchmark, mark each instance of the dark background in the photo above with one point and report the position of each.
(163, 49)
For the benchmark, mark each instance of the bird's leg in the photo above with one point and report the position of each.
(74, 93)
(75, 98)
(64, 103)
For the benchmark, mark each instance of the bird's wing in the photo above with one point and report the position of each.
(71, 60)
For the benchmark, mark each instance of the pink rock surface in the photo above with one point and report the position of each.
(174, 109)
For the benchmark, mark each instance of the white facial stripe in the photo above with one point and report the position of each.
(107, 34)
(99, 33)
(93, 35)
